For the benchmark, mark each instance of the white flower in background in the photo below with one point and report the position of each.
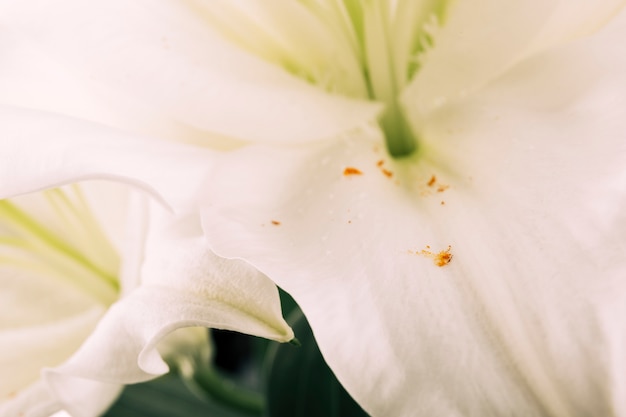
(59, 275)
(94, 276)
(477, 267)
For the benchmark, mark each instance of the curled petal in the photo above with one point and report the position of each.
(183, 285)
(137, 324)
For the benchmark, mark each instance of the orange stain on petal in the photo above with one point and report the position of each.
(433, 185)
(352, 171)
(440, 259)
(275, 223)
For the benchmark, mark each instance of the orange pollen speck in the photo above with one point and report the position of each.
(440, 259)
(443, 258)
(443, 203)
(380, 163)
(442, 188)
(431, 181)
(387, 173)
(275, 223)
(351, 171)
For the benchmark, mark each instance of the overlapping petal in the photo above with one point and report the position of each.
(482, 277)
(161, 60)
(495, 257)
(480, 41)
(170, 279)
(183, 284)
(49, 150)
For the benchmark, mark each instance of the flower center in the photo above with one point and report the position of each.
(58, 235)
(359, 48)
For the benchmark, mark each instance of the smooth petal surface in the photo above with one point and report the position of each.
(467, 53)
(36, 401)
(24, 353)
(161, 61)
(483, 278)
(70, 150)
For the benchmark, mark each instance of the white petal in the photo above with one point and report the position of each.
(48, 150)
(162, 60)
(86, 397)
(25, 350)
(528, 317)
(480, 41)
(35, 401)
(42, 322)
(183, 285)
(133, 327)
(177, 256)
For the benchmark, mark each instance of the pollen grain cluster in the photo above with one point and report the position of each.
(442, 258)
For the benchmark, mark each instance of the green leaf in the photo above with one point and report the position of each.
(300, 384)
(166, 397)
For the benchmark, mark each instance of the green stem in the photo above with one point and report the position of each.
(227, 392)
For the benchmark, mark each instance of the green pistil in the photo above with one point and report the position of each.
(386, 77)
(401, 141)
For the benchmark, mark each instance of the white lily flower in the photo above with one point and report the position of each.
(476, 268)
(91, 285)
